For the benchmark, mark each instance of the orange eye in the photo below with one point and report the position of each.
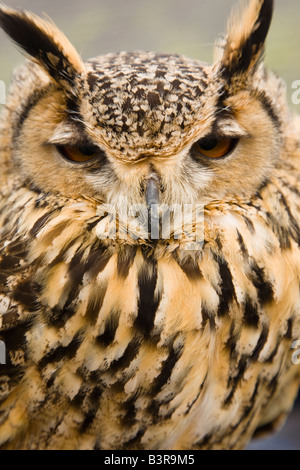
(78, 154)
(215, 147)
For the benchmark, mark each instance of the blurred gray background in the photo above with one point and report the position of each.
(182, 26)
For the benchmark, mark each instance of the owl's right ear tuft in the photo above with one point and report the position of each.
(247, 32)
(44, 43)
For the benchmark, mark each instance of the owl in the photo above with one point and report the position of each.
(119, 333)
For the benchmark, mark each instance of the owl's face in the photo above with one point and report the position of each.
(105, 128)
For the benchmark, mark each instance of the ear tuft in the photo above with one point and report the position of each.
(247, 32)
(44, 42)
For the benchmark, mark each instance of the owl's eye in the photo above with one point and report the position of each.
(215, 147)
(78, 154)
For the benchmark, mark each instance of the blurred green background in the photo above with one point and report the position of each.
(182, 26)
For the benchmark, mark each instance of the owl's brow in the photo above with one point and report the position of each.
(225, 124)
(69, 132)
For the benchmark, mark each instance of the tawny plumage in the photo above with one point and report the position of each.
(137, 341)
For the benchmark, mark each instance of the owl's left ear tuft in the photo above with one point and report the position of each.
(44, 43)
(247, 32)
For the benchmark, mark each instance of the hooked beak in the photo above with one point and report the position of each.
(152, 190)
(152, 195)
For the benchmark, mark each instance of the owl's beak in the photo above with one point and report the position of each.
(152, 190)
(152, 193)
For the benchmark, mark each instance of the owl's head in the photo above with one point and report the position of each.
(122, 123)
